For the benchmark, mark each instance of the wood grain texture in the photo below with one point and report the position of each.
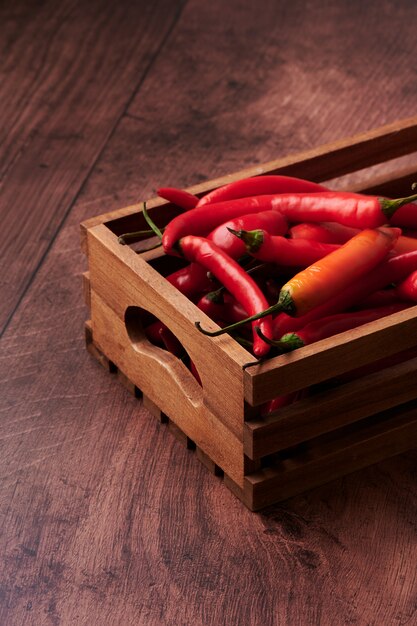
(70, 71)
(105, 516)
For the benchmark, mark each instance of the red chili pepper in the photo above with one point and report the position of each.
(330, 276)
(332, 232)
(221, 307)
(382, 297)
(153, 332)
(350, 209)
(326, 232)
(281, 401)
(390, 271)
(191, 280)
(170, 341)
(335, 324)
(233, 277)
(259, 185)
(276, 249)
(179, 197)
(407, 288)
(270, 221)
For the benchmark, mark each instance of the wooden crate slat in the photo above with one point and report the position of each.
(334, 459)
(331, 409)
(165, 380)
(330, 357)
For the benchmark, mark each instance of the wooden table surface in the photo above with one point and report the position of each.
(106, 519)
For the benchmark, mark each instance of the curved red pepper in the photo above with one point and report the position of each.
(350, 209)
(270, 221)
(191, 280)
(259, 185)
(179, 197)
(335, 324)
(407, 288)
(326, 232)
(234, 278)
(328, 277)
(276, 249)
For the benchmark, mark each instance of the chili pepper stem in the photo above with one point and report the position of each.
(151, 223)
(389, 207)
(292, 343)
(226, 329)
(133, 235)
(253, 239)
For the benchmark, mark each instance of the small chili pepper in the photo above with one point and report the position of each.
(233, 277)
(407, 289)
(392, 270)
(153, 332)
(326, 232)
(333, 325)
(259, 185)
(170, 341)
(179, 197)
(281, 401)
(382, 297)
(350, 209)
(221, 307)
(191, 280)
(276, 249)
(329, 276)
(270, 221)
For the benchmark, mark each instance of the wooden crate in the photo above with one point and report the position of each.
(342, 427)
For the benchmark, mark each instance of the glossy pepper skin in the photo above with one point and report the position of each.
(233, 277)
(334, 324)
(179, 197)
(277, 249)
(389, 271)
(330, 276)
(350, 209)
(407, 289)
(270, 221)
(260, 185)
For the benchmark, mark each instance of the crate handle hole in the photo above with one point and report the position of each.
(144, 328)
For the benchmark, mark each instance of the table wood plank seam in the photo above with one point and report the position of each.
(83, 183)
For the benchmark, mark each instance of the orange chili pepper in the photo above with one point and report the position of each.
(330, 275)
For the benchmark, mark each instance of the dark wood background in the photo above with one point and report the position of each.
(106, 519)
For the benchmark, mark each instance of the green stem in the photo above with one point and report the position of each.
(133, 235)
(291, 343)
(151, 223)
(253, 239)
(389, 207)
(226, 329)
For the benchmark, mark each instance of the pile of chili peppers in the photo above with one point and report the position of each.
(279, 262)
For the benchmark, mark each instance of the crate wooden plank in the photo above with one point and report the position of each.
(170, 386)
(121, 278)
(330, 410)
(334, 459)
(330, 357)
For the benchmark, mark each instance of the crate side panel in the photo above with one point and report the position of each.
(169, 385)
(330, 410)
(334, 459)
(331, 357)
(122, 279)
